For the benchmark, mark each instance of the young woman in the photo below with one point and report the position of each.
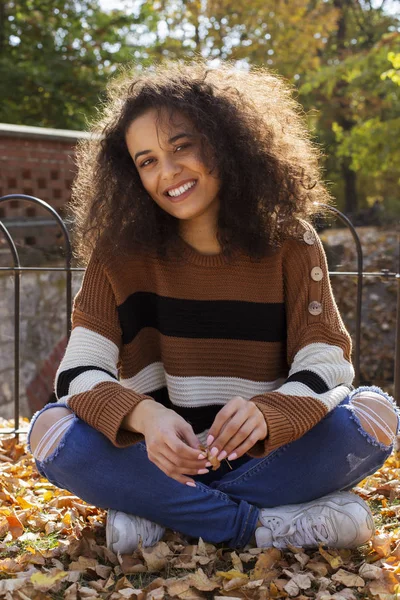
(206, 319)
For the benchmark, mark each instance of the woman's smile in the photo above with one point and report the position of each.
(181, 190)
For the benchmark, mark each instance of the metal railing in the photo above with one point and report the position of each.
(17, 269)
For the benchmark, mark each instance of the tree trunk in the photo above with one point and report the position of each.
(350, 189)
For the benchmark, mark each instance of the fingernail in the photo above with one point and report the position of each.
(214, 452)
(222, 455)
(232, 456)
(210, 440)
(191, 483)
(202, 471)
(201, 457)
(208, 464)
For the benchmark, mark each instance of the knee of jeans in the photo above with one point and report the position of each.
(48, 430)
(377, 415)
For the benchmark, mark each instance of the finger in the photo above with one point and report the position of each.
(236, 440)
(189, 436)
(230, 429)
(184, 465)
(222, 417)
(169, 469)
(246, 445)
(181, 449)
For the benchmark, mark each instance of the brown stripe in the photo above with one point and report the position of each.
(288, 418)
(244, 281)
(104, 407)
(183, 357)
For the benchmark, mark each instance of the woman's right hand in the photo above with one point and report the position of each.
(170, 441)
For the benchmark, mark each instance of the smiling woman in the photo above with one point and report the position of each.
(205, 328)
(174, 174)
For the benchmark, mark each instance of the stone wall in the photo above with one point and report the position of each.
(43, 325)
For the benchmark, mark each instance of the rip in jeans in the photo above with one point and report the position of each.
(49, 440)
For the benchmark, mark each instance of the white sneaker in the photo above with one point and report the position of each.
(124, 531)
(339, 520)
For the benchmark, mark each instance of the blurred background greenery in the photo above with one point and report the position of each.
(343, 57)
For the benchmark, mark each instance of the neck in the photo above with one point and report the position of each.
(201, 235)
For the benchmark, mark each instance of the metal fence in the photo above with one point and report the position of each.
(16, 270)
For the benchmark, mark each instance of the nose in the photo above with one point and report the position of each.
(170, 166)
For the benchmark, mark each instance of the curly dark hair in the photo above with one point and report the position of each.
(258, 140)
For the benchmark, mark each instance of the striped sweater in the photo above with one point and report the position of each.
(195, 331)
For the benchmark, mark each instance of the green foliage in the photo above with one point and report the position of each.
(55, 60)
(342, 55)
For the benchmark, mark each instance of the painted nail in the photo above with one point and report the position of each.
(191, 483)
(202, 471)
(201, 457)
(208, 464)
(210, 440)
(222, 455)
(214, 451)
(232, 456)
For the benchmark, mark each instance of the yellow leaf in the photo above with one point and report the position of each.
(334, 561)
(48, 495)
(24, 503)
(45, 582)
(67, 518)
(231, 574)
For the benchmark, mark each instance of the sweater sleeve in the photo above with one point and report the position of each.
(87, 377)
(318, 347)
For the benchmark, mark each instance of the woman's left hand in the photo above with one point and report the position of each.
(236, 428)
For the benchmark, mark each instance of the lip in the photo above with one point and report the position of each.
(177, 185)
(181, 196)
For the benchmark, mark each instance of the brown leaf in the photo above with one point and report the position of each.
(318, 567)
(156, 557)
(132, 564)
(175, 587)
(381, 544)
(83, 563)
(265, 562)
(348, 579)
(367, 571)
(14, 524)
(201, 582)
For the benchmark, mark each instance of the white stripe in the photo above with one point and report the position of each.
(87, 380)
(86, 347)
(330, 399)
(149, 379)
(325, 360)
(197, 391)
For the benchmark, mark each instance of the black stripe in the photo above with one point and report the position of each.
(200, 417)
(310, 379)
(216, 319)
(65, 377)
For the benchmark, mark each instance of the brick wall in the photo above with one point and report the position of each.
(37, 162)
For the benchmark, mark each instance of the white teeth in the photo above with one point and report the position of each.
(178, 191)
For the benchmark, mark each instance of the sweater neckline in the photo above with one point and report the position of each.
(195, 257)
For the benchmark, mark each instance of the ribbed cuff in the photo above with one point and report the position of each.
(280, 430)
(105, 407)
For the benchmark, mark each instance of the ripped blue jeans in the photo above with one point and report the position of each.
(224, 506)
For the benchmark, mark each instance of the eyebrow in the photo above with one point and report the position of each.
(175, 138)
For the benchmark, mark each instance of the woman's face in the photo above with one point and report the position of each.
(167, 155)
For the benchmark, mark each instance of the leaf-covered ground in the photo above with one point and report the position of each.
(53, 547)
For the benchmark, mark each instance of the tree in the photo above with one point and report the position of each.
(55, 59)
(359, 110)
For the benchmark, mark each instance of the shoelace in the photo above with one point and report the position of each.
(303, 531)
